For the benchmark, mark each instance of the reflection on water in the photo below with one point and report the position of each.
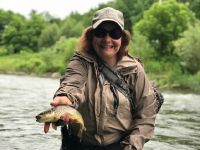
(22, 97)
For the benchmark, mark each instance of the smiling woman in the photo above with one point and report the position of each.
(114, 119)
(58, 8)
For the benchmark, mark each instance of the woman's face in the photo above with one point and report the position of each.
(107, 40)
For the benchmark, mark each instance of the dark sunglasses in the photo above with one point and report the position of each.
(114, 34)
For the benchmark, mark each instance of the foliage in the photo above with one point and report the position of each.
(185, 82)
(21, 34)
(12, 36)
(133, 10)
(140, 47)
(33, 29)
(72, 26)
(51, 60)
(50, 34)
(5, 18)
(166, 74)
(66, 47)
(194, 5)
(35, 65)
(50, 19)
(2, 51)
(163, 23)
(188, 48)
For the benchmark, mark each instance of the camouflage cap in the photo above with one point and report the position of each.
(108, 14)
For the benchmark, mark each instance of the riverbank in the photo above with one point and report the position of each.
(54, 75)
(57, 75)
(167, 74)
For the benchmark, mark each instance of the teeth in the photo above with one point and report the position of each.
(106, 46)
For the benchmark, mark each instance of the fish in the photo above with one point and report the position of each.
(54, 114)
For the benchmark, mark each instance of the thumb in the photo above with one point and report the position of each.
(54, 103)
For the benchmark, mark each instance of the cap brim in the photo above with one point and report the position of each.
(96, 24)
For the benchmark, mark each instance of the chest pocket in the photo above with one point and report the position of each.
(116, 103)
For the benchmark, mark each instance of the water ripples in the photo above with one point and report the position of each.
(22, 97)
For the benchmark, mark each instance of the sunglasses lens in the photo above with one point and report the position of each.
(100, 32)
(114, 34)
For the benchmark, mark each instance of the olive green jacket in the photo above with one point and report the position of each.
(90, 93)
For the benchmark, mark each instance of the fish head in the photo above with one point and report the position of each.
(46, 116)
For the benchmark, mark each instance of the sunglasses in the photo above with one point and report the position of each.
(114, 34)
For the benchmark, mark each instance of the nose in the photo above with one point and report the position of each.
(107, 37)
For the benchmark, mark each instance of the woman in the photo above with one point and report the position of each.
(107, 113)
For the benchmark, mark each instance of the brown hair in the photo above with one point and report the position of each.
(85, 42)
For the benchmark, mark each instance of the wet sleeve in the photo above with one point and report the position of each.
(72, 84)
(144, 120)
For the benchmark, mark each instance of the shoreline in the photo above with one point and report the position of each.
(57, 75)
(54, 75)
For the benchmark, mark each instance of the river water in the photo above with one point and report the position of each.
(22, 97)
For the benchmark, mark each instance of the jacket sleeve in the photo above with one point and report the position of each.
(72, 84)
(145, 113)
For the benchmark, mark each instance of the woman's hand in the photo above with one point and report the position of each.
(59, 100)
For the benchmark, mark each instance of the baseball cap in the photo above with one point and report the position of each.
(108, 14)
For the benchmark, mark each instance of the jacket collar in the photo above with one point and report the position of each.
(126, 65)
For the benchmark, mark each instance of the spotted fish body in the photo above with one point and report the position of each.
(54, 114)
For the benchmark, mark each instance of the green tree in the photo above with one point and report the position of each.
(188, 48)
(5, 18)
(194, 5)
(140, 47)
(163, 23)
(22, 34)
(12, 36)
(33, 29)
(50, 19)
(133, 10)
(49, 35)
(72, 26)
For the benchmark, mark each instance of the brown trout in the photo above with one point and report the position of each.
(54, 114)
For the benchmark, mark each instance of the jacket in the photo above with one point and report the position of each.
(91, 94)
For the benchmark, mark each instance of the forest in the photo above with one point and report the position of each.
(165, 36)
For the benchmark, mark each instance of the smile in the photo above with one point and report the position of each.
(106, 46)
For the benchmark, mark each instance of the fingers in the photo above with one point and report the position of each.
(60, 100)
(65, 118)
(46, 127)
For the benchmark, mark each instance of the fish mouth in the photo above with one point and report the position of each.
(38, 118)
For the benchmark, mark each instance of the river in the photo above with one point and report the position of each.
(22, 97)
